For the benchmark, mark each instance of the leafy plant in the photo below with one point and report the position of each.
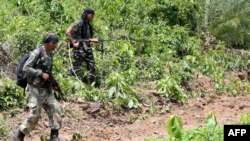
(4, 130)
(228, 21)
(170, 88)
(10, 94)
(174, 127)
(76, 136)
(211, 121)
(211, 132)
(245, 119)
(43, 138)
(121, 93)
(149, 68)
(176, 12)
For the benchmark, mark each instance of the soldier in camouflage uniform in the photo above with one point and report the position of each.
(80, 35)
(40, 82)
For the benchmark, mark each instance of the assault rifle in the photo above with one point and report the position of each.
(53, 84)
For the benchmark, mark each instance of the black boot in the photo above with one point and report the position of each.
(19, 136)
(54, 135)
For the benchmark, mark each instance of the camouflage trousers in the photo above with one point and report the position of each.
(85, 54)
(39, 98)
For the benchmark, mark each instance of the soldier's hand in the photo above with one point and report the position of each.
(56, 88)
(45, 76)
(94, 40)
(76, 44)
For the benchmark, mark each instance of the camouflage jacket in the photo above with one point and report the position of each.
(78, 31)
(36, 65)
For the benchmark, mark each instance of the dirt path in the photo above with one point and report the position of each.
(106, 125)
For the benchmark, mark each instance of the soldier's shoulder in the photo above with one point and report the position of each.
(79, 22)
(37, 51)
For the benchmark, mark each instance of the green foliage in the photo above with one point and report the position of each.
(245, 119)
(73, 87)
(10, 94)
(174, 127)
(20, 35)
(76, 136)
(237, 87)
(170, 88)
(211, 132)
(218, 63)
(28, 21)
(229, 21)
(177, 12)
(150, 68)
(4, 130)
(43, 138)
(205, 134)
(93, 94)
(211, 121)
(179, 40)
(120, 92)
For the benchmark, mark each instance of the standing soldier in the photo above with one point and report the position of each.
(40, 82)
(80, 35)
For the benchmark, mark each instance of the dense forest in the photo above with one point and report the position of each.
(169, 44)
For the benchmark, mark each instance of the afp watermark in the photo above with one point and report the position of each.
(236, 132)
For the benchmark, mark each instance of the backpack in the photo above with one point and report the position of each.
(20, 74)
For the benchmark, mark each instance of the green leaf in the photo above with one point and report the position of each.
(131, 104)
(211, 120)
(43, 138)
(76, 136)
(174, 127)
(245, 119)
(111, 92)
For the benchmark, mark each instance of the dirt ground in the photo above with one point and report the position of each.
(102, 125)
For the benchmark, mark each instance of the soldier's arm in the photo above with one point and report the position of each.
(69, 33)
(72, 30)
(30, 63)
(54, 82)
